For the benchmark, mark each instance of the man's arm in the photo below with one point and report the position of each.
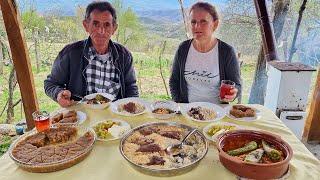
(57, 80)
(174, 81)
(131, 89)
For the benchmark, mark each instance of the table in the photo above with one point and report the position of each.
(106, 162)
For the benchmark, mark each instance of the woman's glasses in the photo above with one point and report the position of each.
(202, 22)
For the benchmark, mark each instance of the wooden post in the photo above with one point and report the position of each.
(20, 57)
(311, 131)
(266, 29)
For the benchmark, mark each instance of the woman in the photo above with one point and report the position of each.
(202, 62)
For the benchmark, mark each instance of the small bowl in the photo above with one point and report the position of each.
(254, 170)
(98, 106)
(170, 105)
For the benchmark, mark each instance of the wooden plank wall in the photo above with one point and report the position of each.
(311, 131)
(20, 56)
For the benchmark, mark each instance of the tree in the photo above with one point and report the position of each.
(1, 58)
(185, 20)
(12, 83)
(293, 49)
(130, 31)
(239, 27)
(34, 23)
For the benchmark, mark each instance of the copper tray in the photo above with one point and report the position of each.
(54, 166)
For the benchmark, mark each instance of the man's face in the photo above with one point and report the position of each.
(100, 26)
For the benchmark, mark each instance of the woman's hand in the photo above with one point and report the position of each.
(63, 98)
(230, 98)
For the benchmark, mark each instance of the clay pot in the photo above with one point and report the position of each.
(253, 170)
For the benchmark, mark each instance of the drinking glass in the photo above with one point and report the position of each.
(41, 120)
(225, 89)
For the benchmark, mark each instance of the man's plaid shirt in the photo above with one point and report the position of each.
(102, 75)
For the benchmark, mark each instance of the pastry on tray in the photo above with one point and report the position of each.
(52, 150)
(240, 111)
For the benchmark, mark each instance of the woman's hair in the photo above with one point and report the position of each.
(207, 7)
(101, 6)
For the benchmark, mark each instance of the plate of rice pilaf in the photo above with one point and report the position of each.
(129, 106)
(203, 112)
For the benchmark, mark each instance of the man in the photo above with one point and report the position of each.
(93, 65)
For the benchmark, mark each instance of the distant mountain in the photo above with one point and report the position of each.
(162, 17)
(168, 15)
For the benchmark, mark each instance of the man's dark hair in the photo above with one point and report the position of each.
(101, 6)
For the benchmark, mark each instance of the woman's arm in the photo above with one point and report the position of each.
(233, 70)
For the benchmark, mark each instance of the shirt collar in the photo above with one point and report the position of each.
(93, 55)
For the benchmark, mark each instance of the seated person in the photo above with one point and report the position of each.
(201, 63)
(93, 65)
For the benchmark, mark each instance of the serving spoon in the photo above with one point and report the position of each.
(175, 147)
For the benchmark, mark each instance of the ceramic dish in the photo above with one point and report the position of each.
(248, 119)
(117, 106)
(164, 109)
(214, 112)
(113, 132)
(243, 165)
(103, 105)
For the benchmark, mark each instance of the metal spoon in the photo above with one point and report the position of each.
(78, 98)
(175, 147)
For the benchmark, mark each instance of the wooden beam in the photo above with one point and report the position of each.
(311, 131)
(20, 57)
(267, 34)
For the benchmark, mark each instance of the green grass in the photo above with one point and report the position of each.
(5, 142)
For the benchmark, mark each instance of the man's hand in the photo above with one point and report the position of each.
(229, 98)
(63, 98)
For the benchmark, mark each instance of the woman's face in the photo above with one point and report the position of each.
(202, 24)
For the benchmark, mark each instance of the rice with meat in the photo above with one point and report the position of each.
(148, 149)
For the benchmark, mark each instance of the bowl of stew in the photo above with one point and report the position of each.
(98, 100)
(254, 154)
(164, 109)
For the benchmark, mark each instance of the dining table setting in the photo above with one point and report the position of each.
(134, 138)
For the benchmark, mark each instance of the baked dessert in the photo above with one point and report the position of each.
(240, 111)
(67, 117)
(52, 146)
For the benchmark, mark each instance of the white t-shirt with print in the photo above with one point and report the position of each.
(202, 75)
